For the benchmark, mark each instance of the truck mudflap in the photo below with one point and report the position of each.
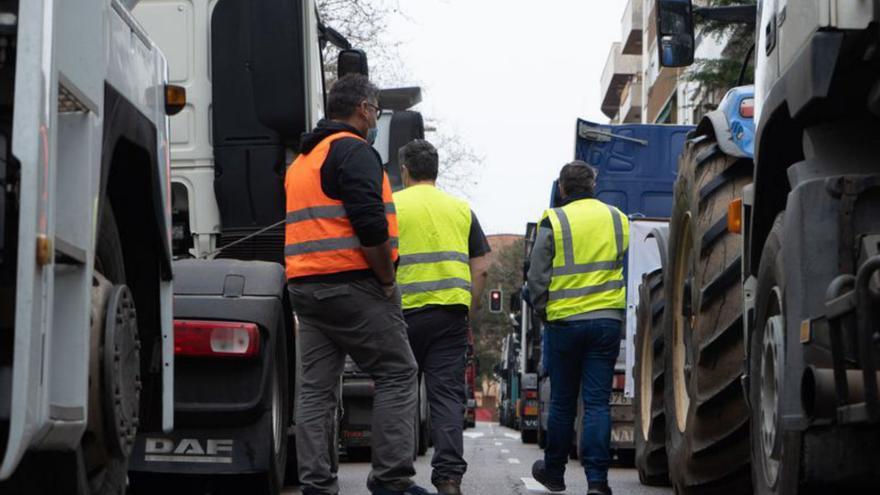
(237, 450)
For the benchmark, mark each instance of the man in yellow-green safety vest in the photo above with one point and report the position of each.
(575, 281)
(441, 274)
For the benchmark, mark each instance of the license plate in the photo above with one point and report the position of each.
(622, 434)
(618, 399)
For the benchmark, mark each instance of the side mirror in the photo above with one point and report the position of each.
(675, 33)
(351, 61)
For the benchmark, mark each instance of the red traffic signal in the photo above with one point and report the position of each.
(495, 301)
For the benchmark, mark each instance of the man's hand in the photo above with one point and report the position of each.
(380, 261)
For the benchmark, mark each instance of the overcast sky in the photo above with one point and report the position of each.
(511, 77)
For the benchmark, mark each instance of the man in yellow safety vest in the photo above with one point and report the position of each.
(575, 281)
(441, 275)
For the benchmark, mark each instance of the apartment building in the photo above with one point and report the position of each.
(635, 89)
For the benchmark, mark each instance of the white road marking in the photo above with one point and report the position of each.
(532, 485)
(473, 434)
(505, 451)
(511, 435)
(498, 444)
(513, 460)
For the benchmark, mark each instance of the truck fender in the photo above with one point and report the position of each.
(715, 123)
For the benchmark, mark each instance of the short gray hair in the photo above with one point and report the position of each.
(347, 93)
(420, 159)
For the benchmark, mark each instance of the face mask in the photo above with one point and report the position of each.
(372, 132)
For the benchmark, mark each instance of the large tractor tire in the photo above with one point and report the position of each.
(707, 418)
(650, 416)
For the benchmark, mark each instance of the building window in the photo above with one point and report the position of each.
(669, 113)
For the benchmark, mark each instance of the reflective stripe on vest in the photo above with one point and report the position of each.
(319, 239)
(590, 241)
(434, 231)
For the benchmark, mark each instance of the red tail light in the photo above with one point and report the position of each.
(531, 394)
(198, 338)
(619, 381)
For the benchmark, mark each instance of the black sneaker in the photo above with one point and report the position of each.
(599, 488)
(376, 489)
(541, 476)
(448, 487)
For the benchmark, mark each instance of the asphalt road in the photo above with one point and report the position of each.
(499, 464)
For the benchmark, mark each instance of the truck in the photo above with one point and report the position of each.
(507, 374)
(770, 348)
(86, 355)
(636, 169)
(255, 75)
(470, 383)
(355, 416)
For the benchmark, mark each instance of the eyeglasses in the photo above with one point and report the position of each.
(378, 110)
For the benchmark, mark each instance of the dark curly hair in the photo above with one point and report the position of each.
(347, 93)
(420, 158)
(578, 177)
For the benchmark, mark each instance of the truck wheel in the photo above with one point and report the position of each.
(106, 444)
(774, 470)
(707, 428)
(650, 418)
(279, 414)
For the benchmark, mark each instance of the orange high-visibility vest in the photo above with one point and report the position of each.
(319, 238)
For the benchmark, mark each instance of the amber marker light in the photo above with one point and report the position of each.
(175, 99)
(734, 216)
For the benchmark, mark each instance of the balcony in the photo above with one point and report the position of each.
(619, 69)
(631, 103)
(632, 24)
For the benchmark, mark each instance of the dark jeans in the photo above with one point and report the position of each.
(438, 337)
(580, 357)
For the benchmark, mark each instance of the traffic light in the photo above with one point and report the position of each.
(495, 301)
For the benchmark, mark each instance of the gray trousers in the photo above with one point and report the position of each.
(438, 336)
(357, 319)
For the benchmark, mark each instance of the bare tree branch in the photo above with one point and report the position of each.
(459, 169)
(364, 23)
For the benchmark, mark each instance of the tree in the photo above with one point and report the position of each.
(364, 23)
(458, 168)
(505, 273)
(716, 76)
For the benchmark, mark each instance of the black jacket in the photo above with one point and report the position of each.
(351, 173)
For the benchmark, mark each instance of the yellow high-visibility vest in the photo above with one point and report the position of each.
(433, 229)
(590, 239)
